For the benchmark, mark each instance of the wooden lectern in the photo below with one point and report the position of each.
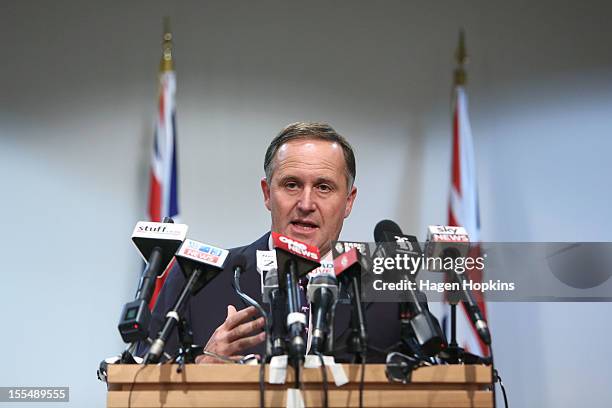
(215, 385)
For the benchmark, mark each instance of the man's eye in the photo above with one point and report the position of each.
(325, 188)
(291, 185)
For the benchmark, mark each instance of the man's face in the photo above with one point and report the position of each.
(308, 194)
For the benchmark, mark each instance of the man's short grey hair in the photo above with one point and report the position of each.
(310, 131)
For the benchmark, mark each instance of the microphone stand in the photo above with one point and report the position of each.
(454, 354)
(253, 302)
(297, 348)
(172, 319)
(127, 357)
(362, 333)
(188, 351)
(357, 340)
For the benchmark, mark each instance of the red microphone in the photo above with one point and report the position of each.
(348, 268)
(349, 261)
(306, 256)
(294, 260)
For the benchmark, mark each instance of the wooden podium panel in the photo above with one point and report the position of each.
(215, 385)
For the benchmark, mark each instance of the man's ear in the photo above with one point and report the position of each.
(349, 201)
(265, 189)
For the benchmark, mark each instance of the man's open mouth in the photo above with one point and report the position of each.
(304, 225)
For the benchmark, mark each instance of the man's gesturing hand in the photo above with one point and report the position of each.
(237, 333)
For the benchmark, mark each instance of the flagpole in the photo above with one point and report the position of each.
(163, 197)
(454, 352)
(460, 76)
(166, 64)
(459, 81)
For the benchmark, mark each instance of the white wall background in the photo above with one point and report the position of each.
(77, 99)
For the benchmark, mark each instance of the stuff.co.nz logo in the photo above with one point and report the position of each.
(298, 248)
(160, 229)
(151, 228)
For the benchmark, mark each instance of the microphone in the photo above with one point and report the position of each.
(446, 242)
(453, 242)
(200, 263)
(278, 305)
(306, 257)
(266, 265)
(157, 242)
(386, 232)
(348, 268)
(295, 259)
(239, 267)
(322, 292)
(271, 294)
(425, 327)
(204, 259)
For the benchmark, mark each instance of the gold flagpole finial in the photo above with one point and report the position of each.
(462, 58)
(166, 63)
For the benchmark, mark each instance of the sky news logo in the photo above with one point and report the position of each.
(443, 233)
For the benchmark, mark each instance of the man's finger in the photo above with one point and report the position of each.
(247, 342)
(245, 329)
(204, 359)
(208, 359)
(234, 319)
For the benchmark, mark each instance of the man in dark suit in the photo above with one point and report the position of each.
(308, 189)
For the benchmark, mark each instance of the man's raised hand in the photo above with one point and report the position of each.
(237, 333)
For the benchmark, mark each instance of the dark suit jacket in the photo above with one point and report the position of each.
(207, 310)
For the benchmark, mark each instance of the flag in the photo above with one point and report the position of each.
(463, 207)
(163, 193)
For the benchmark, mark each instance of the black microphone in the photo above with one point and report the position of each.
(157, 242)
(423, 325)
(200, 263)
(276, 298)
(239, 267)
(322, 292)
(453, 242)
(278, 306)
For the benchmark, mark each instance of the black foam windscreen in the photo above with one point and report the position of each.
(385, 226)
